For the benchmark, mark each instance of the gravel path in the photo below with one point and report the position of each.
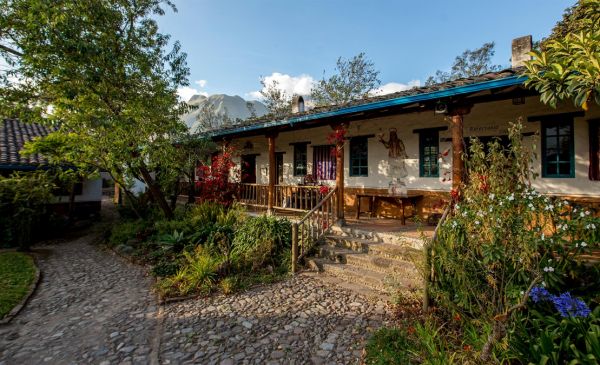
(95, 308)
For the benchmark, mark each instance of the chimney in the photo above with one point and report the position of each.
(297, 104)
(520, 48)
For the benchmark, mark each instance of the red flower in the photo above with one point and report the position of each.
(467, 348)
(411, 330)
(454, 194)
(324, 189)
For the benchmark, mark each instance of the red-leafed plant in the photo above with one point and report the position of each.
(337, 138)
(215, 183)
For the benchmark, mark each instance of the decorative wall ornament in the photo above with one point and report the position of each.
(396, 156)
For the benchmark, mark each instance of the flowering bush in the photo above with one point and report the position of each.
(215, 183)
(337, 138)
(503, 238)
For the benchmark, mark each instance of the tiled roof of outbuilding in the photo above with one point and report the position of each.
(13, 135)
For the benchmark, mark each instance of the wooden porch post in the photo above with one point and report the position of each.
(272, 172)
(458, 165)
(339, 178)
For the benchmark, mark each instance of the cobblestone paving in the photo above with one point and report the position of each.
(91, 307)
(298, 321)
(95, 308)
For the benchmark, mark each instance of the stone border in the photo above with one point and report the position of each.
(32, 287)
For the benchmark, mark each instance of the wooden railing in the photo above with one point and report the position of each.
(289, 197)
(312, 227)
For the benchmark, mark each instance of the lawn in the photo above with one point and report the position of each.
(17, 271)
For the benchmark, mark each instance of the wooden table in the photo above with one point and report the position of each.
(402, 200)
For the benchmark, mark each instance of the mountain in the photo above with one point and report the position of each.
(234, 107)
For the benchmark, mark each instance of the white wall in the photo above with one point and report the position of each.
(91, 191)
(487, 119)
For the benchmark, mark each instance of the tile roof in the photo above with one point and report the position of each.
(491, 76)
(13, 135)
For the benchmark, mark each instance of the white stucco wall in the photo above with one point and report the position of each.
(487, 119)
(91, 192)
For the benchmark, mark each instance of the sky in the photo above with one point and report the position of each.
(232, 44)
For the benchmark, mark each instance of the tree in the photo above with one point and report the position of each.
(568, 67)
(209, 118)
(278, 101)
(355, 79)
(102, 77)
(470, 63)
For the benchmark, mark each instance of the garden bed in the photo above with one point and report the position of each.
(18, 277)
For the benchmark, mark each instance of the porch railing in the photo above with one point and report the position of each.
(289, 197)
(312, 227)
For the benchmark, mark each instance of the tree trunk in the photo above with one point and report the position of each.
(156, 193)
(71, 203)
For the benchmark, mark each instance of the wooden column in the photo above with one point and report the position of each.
(339, 178)
(272, 172)
(458, 164)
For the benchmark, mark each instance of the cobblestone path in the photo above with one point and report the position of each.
(92, 307)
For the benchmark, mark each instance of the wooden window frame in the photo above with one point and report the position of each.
(296, 161)
(435, 136)
(547, 123)
(354, 159)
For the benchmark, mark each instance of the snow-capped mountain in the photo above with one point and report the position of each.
(234, 107)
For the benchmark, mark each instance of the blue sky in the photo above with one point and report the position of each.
(231, 44)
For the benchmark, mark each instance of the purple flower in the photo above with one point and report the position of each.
(568, 306)
(540, 294)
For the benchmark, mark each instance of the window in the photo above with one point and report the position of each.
(429, 152)
(557, 148)
(300, 159)
(324, 162)
(359, 156)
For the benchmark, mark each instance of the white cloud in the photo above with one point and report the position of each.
(201, 83)
(186, 92)
(394, 87)
(300, 85)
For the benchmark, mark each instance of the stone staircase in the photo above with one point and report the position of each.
(379, 261)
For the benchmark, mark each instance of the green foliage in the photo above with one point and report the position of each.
(541, 337)
(262, 240)
(123, 232)
(23, 205)
(197, 274)
(568, 66)
(17, 272)
(470, 63)
(389, 346)
(103, 77)
(354, 79)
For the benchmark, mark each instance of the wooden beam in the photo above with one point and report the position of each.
(272, 172)
(458, 145)
(339, 177)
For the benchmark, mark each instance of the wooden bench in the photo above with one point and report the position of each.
(401, 200)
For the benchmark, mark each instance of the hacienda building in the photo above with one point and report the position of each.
(404, 149)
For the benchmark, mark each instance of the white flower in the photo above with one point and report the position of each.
(565, 202)
(457, 207)
(582, 214)
(543, 283)
(480, 214)
(477, 222)
(500, 203)
(454, 224)
(548, 269)
(511, 197)
(587, 212)
(522, 292)
(492, 196)
(577, 245)
(543, 237)
(583, 244)
(464, 214)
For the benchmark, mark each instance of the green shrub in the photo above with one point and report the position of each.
(263, 240)
(122, 232)
(198, 273)
(388, 346)
(23, 205)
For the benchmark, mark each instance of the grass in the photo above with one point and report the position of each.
(17, 272)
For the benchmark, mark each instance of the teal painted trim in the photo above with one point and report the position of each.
(459, 90)
(545, 162)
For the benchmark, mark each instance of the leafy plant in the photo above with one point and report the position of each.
(261, 241)
(122, 232)
(197, 274)
(389, 346)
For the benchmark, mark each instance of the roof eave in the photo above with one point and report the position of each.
(459, 90)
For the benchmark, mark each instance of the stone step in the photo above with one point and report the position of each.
(388, 250)
(406, 239)
(370, 278)
(378, 263)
